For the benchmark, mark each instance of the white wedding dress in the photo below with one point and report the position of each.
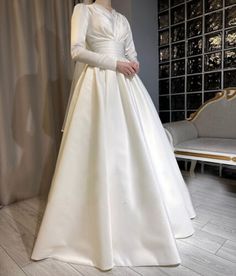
(117, 197)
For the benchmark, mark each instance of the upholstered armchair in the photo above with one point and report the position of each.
(209, 134)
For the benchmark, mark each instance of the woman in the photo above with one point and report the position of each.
(117, 196)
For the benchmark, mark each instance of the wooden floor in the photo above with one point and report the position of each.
(211, 251)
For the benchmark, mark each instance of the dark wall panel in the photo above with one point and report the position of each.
(197, 53)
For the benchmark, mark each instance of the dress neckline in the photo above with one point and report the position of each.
(112, 11)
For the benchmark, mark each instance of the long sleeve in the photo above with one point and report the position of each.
(130, 50)
(79, 25)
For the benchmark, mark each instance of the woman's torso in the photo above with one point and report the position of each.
(107, 31)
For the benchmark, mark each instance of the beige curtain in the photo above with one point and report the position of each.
(35, 77)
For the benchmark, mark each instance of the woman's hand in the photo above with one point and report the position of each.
(135, 66)
(128, 68)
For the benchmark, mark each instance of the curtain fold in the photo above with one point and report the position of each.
(36, 70)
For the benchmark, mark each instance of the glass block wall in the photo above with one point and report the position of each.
(197, 53)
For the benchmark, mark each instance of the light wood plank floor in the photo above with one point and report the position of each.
(211, 251)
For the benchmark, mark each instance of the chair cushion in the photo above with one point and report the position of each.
(217, 145)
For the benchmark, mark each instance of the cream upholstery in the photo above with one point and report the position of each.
(217, 120)
(181, 131)
(209, 134)
(206, 144)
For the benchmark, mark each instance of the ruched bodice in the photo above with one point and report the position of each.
(100, 37)
(105, 25)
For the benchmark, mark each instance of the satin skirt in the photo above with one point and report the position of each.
(117, 196)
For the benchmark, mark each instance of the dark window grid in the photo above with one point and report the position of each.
(175, 6)
(193, 19)
(209, 73)
(229, 69)
(162, 29)
(178, 76)
(177, 59)
(231, 5)
(217, 10)
(184, 3)
(232, 69)
(193, 56)
(208, 13)
(204, 72)
(212, 71)
(215, 51)
(171, 7)
(207, 33)
(158, 36)
(163, 62)
(230, 48)
(197, 106)
(174, 25)
(228, 28)
(187, 93)
(203, 50)
(186, 60)
(174, 42)
(170, 58)
(211, 93)
(162, 47)
(160, 12)
(193, 92)
(226, 8)
(196, 17)
(164, 78)
(203, 47)
(177, 42)
(182, 93)
(164, 9)
(181, 23)
(192, 74)
(169, 78)
(223, 47)
(196, 36)
(168, 65)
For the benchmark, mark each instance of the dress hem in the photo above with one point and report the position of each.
(158, 264)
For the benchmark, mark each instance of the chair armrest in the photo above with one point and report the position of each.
(178, 132)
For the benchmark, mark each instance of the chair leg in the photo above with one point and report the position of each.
(185, 165)
(220, 170)
(192, 167)
(202, 167)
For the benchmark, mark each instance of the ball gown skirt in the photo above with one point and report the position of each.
(117, 197)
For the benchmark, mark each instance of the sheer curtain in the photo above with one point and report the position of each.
(35, 77)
